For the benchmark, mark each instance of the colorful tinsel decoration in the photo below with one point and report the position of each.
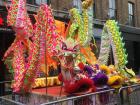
(119, 52)
(112, 37)
(29, 46)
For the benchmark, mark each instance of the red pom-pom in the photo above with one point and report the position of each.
(71, 88)
(80, 86)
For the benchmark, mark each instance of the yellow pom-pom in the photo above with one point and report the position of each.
(115, 81)
(86, 3)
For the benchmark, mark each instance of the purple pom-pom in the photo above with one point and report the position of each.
(89, 70)
(100, 79)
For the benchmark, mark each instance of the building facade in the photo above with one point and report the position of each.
(126, 12)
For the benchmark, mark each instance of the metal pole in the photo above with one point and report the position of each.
(46, 66)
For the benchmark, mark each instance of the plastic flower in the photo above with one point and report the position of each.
(105, 69)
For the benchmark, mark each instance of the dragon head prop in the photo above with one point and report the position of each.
(70, 52)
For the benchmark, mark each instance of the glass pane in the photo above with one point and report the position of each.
(130, 8)
(29, 99)
(130, 20)
(111, 13)
(77, 4)
(112, 4)
(44, 1)
(5, 102)
(29, 1)
(38, 2)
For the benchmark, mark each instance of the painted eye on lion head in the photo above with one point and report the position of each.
(76, 48)
(64, 46)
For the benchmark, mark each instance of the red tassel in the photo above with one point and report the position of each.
(81, 66)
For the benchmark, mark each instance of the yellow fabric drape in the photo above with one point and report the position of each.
(41, 82)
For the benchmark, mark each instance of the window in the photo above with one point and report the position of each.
(131, 14)
(77, 4)
(112, 9)
(38, 2)
(1, 20)
(29, 1)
